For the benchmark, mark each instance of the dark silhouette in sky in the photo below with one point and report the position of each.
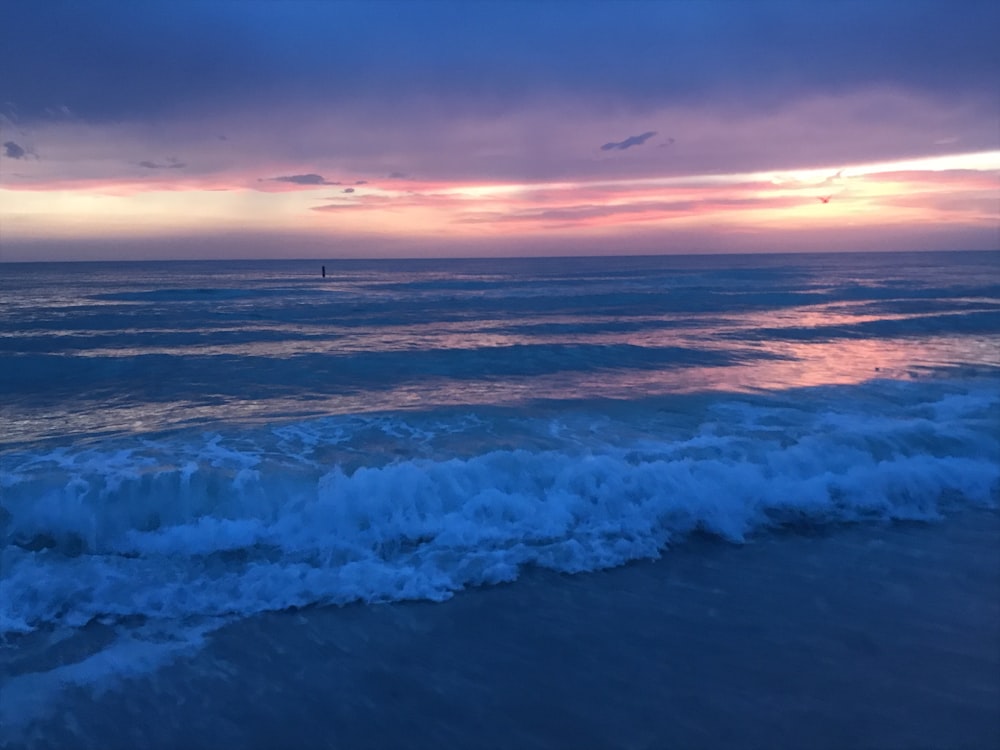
(13, 151)
(301, 179)
(632, 140)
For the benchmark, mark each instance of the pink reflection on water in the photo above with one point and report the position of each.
(791, 364)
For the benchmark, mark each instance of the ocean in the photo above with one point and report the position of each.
(677, 501)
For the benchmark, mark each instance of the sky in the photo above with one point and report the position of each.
(270, 129)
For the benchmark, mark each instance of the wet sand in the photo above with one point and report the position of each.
(855, 637)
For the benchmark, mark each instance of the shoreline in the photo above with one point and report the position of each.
(875, 635)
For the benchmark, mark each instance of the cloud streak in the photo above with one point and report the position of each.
(310, 179)
(170, 163)
(632, 140)
(583, 215)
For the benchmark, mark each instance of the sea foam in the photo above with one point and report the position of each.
(385, 508)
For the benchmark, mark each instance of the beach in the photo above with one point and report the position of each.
(856, 637)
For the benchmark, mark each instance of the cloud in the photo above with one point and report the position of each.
(301, 179)
(632, 140)
(59, 52)
(370, 202)
(642, 210)
(13, 151)
(171, 163)
(331, 207)
(983, 180)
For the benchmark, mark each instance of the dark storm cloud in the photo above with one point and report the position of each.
(632, 140)
(113, 60)
(12, 151)
(301, 179)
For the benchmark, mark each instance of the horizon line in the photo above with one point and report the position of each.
(487, 258)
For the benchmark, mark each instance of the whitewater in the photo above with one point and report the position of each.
(189, 445)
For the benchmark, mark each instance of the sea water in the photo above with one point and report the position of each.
(186, 445)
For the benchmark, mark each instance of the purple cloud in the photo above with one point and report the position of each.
(632, 140)
(171, 163)
(301, 179)
(13, 151)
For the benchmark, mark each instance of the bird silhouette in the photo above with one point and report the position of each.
(824, 199)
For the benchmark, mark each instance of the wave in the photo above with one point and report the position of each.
(202, 294)
(146, 374)
(965, 322)
(402, 507)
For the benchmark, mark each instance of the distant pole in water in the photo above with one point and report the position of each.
(324, 271)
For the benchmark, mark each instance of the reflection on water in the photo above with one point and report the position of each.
(145, 347)
(790, 365)
(266, 339)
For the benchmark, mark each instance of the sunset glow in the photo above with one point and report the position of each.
(866, 160)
